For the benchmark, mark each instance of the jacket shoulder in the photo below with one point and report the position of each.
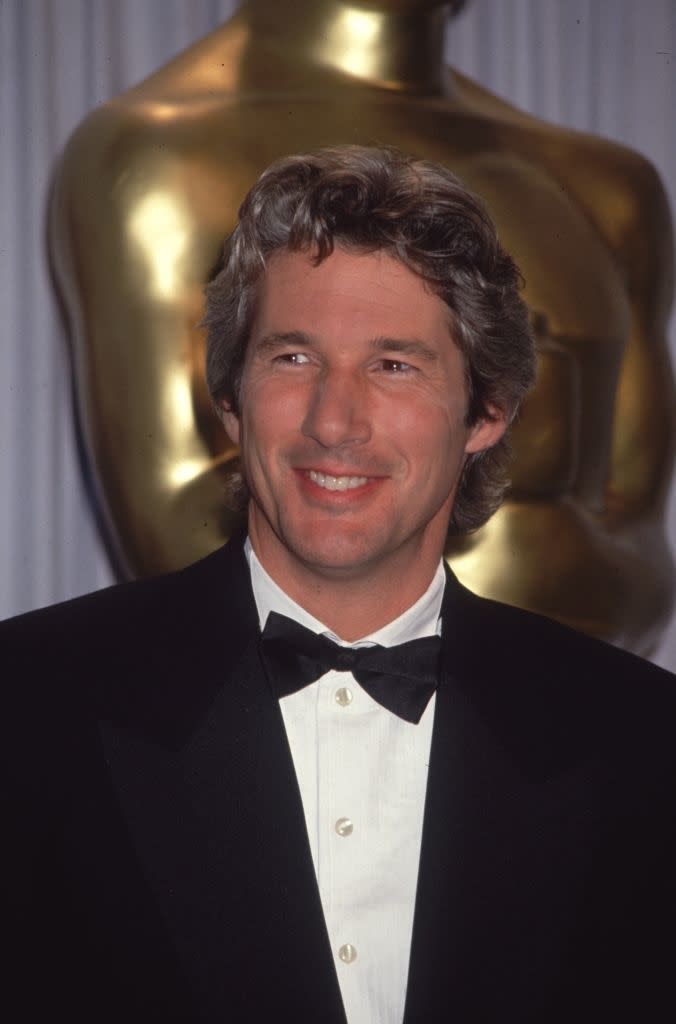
(131, 628)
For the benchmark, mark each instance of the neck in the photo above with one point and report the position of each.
(402, 52)
(351, 605)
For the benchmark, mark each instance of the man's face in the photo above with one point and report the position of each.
(352, 418)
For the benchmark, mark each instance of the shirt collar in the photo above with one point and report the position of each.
(422, 619)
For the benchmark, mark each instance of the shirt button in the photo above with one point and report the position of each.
(347, 953)
(343, 696)
(344, 827)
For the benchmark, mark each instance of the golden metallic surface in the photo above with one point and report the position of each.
(150, 184)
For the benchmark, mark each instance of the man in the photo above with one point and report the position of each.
(226, 799)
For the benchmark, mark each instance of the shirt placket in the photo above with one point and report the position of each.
(339, 824)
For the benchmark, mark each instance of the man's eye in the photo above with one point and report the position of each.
(295, 358)
(396, 366)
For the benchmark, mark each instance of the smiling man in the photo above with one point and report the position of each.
(312, 778)
(354, 432)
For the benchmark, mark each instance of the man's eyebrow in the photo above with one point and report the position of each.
(406, 347)
(282, 339)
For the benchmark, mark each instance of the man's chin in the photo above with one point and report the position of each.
(337, 558)
(332, 550)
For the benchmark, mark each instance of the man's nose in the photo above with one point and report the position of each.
(338, 410)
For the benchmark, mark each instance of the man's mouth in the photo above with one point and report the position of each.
(336, 483)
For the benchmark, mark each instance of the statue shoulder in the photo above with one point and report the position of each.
(616, 188)
(129, 153)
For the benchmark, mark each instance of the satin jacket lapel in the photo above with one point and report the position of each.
(215, 816)
(489, 919)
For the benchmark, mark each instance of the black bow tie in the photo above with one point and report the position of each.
(401, 678)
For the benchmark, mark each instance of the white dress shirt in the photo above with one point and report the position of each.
(362, 774)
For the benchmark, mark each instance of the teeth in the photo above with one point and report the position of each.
(336, 483)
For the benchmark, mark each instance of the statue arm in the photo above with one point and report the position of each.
(130, 257)
(645, 417)
(621, 196)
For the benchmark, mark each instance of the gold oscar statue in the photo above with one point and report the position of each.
(150, 184)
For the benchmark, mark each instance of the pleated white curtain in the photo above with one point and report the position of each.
(607, 66)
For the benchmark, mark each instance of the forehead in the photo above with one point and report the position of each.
(348, 294)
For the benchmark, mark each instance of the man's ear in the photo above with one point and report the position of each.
(230, 420)
(487, 431)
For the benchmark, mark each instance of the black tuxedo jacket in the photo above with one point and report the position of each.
(155, 864)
